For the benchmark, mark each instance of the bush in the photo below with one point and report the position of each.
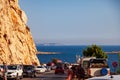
(94, 51)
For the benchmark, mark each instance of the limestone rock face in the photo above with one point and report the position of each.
(16, 43)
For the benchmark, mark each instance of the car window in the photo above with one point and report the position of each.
(85, 64)
(12, 67)
(28, 67)
(98, 63)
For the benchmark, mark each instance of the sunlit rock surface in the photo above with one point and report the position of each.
(16, 43)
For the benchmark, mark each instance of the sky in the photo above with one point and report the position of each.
(73, 22)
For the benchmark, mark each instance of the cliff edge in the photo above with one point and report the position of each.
(16, 43)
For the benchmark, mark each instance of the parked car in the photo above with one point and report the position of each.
(48, 68)
(53, 67)
(1, 67)
(98, 67)
(1, 71)
(40, 69)
(15, 71)
(29, 71)
(59, 70)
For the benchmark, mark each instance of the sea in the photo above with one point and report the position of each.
(68, 53)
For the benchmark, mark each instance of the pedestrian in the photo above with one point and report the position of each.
(4, 71)
(74, 69)
(70, 73)
(80, 72)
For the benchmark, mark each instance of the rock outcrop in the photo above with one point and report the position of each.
(16, 43)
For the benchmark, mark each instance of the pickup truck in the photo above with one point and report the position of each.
(95, 67)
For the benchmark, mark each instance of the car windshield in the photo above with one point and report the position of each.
(28, 67)
(39, 67)
(12, 67)
(1, 66)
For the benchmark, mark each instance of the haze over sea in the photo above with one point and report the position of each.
(68, 53)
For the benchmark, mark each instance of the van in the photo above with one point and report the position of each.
(95, 66)
(98, 67)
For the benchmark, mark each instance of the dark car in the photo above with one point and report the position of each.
(59, 70)
(29, 71)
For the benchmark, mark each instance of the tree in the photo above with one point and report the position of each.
(94, 51)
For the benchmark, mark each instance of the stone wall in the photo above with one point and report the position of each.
(16, 43)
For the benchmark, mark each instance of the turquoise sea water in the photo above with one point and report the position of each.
(67, 53)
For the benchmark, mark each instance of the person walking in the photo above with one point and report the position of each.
(70, 74)
(74, 69)
(80, 72)
(4, 71)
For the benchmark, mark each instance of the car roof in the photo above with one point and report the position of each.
(14, 65)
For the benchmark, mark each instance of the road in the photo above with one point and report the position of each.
(51, 76)
(48, 76)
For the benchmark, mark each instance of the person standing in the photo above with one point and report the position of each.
(4, 71)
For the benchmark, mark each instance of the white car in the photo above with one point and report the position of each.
(15, 72)
(1, 71)
(40, 69)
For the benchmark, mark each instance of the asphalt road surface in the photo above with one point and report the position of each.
(48, 76)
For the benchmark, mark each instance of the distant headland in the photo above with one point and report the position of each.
(39, 52)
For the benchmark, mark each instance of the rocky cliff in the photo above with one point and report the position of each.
(16, 43)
